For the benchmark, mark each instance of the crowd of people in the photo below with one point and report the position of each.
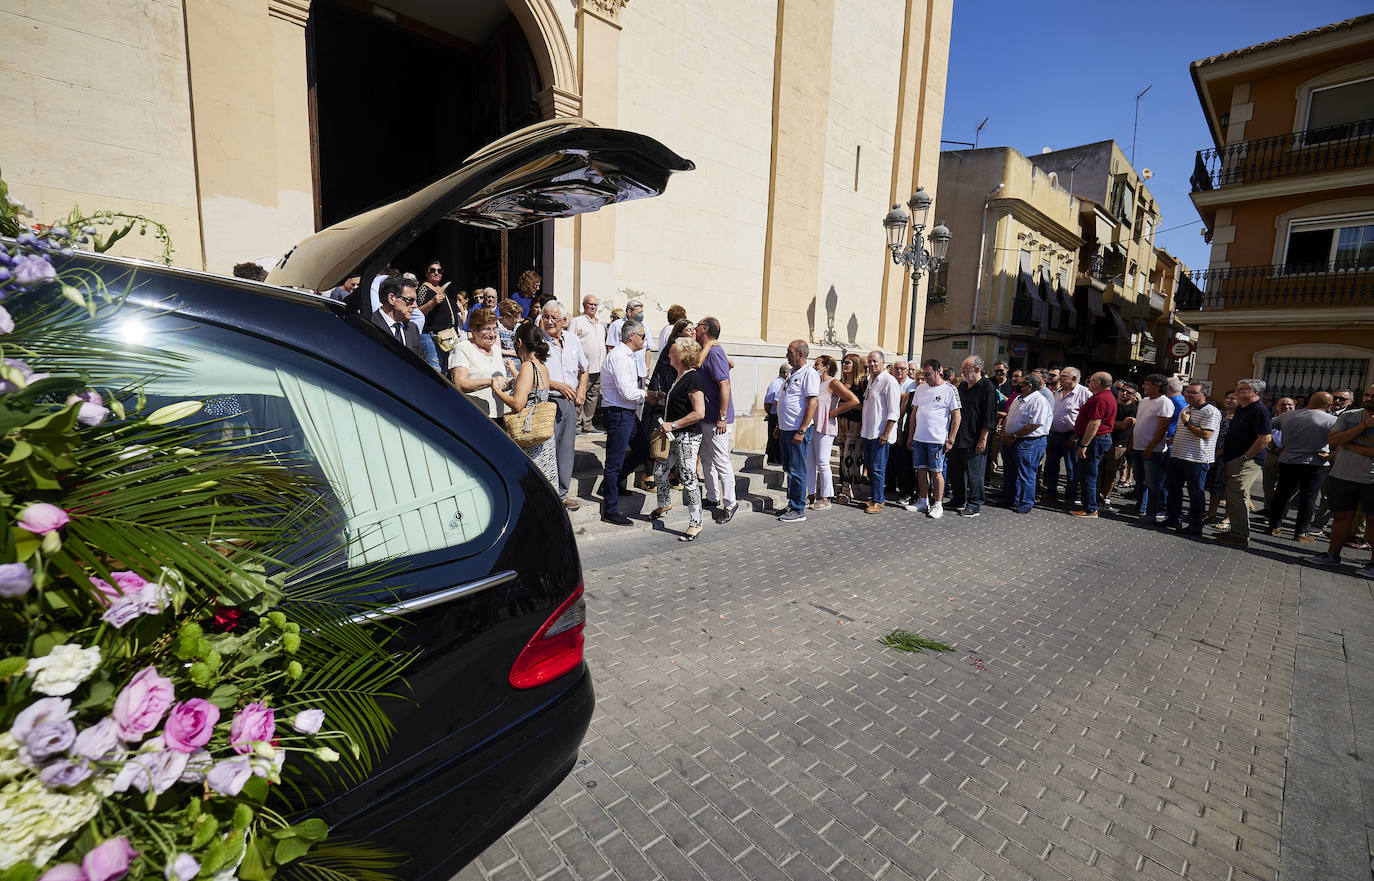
(916, 435)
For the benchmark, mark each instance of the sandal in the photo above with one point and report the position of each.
(659, 512)
(691, 534)
(841, 499)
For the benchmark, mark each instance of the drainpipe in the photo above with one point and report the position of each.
(978, 285)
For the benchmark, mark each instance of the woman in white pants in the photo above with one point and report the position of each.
(835, 398)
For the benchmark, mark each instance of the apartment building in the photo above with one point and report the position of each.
(1287, 195)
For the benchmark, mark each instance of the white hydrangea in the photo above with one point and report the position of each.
(63, 669)
(10, 766)
(36, 822)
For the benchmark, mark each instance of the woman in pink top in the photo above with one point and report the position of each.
(834, 398)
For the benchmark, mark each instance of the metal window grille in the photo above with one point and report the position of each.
(1290, 377)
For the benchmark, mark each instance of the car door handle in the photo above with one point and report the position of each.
(437, 598)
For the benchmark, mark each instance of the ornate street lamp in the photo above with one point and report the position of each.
(913, 253)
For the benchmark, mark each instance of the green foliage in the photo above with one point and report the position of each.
(906, 641)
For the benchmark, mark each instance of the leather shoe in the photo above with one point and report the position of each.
(571, 503)
(1235, 541)
(873, 508)
(617, 519)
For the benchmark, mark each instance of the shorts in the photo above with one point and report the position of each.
(1347, 495)
(928, 456)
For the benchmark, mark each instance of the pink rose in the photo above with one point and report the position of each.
(190, 725)
(142, 704)
(41, 518)
(109, 860)
(64, 872)
(255, 723)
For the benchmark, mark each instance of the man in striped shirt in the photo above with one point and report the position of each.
(1192, 454)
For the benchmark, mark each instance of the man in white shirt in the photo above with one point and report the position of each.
(622, 394)
(796, 426)
(1060, 447)
(879, 426)
(935, 415)
(1023, 437)
(567, 365)
(1194, 451)
(1150, 447)
(589, 333)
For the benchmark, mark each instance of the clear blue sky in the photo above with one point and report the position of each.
(1060, 74)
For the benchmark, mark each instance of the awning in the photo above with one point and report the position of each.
(1113, 311)
(1025, 286)
(1067, 299)
(1189, 295)
(1090, 298)
(1051, 300)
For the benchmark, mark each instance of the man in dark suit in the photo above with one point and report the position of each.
(397, 295)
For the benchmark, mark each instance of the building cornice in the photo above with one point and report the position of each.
(1280, 319)
(295, 11)
(1288, 186)
(1039, 221)
(604, 10)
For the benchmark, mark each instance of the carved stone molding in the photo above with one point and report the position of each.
(295, 11)
(606, 10)
(555, 102)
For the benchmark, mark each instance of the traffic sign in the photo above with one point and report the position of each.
(1181, 348)
(1019, 349)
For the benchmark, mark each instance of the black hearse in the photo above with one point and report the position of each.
(487, 571)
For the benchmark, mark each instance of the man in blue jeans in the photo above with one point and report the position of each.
(1190, 457)
(1028, 422)
(1092, 438)
(796, 408)
(1150, 445)
(627, 443)
(878, 428)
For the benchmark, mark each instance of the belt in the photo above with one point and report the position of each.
(1065, 431)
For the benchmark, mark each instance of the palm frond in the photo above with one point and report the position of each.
(345, 860)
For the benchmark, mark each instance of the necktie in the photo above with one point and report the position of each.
(400, 334)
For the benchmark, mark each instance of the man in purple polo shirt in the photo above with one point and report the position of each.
(717, 425)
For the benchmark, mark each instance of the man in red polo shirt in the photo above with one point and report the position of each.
(1092, 438)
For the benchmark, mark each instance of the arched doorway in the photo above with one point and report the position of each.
(400, 95)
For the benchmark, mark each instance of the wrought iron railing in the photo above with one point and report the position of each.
(1273, 287)
(1348, 145)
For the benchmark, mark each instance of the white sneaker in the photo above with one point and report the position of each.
(936, 511)
(922, 506)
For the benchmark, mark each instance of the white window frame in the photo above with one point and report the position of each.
(1332, 222)
(1331, 79)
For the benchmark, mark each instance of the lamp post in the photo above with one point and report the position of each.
(912, 253)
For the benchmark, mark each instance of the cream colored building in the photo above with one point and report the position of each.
(246, 125)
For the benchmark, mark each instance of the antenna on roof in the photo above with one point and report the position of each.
(1135, 126)
(979, 130)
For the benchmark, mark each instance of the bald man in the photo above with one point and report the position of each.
(1303, 454)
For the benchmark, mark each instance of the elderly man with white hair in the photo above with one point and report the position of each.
(567, 365)
(1068, 398)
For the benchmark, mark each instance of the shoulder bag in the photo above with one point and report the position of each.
(533, 425)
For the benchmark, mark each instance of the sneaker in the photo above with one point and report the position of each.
(790, 516)
(968, 511)
(710, 503)
(1323, 559)
(820, 505)
(936, 511)
(921, 506)
(1160, 518)
(1366, 571)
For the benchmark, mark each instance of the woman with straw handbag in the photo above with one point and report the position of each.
(530, 422)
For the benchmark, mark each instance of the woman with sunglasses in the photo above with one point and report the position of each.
(440, 317)
(848, 428)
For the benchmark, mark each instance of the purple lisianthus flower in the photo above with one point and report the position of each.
(109, 860)
(65, 772)
(156, 769)
(229, 776)
(33, 269)
(40, 712)
(15, 580)
(122, 611)
(182, 868)
(48, 739)
(308, 721)
(154, 598)
(64, 872)
(40, 518)
(255, 723)
(197, 764)
(26, 374)
(90, 412)
(98, 741)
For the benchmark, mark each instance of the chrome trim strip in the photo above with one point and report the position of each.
(434, 599)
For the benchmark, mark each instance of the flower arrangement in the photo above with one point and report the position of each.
(176, 690)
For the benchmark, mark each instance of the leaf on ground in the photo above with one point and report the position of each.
(906, 641)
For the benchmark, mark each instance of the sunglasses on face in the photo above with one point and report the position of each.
(407, 300)
(435, 269)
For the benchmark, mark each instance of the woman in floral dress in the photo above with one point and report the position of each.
(532, 387)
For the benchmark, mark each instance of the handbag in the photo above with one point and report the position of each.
(534, 424)
(659, 445)
(447, 339)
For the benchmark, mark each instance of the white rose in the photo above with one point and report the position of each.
(63, 669)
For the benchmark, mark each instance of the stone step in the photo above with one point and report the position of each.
(759, 488)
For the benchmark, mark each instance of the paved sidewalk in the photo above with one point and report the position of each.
(1122, 704)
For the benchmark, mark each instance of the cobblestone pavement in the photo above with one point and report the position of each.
(1118, 706)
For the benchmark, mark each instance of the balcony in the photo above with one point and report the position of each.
(1277, 287)
(1334, 148)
